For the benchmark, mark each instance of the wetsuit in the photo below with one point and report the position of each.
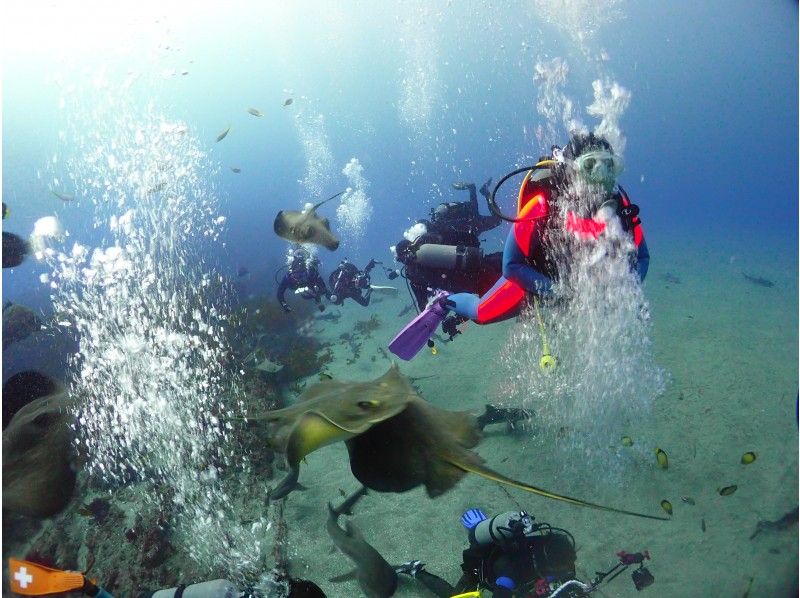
(526, 264)
(303, 274)
(347, 282)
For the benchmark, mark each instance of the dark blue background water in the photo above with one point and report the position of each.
(711, 128)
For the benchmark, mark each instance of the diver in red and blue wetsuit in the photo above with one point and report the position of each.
(529, 261)
(572, 197)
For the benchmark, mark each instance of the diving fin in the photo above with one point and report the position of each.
(410, 340)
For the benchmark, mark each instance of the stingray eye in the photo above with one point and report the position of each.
(368, 405)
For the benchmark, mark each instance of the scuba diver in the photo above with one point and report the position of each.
(463, 216)
(348, 282)
(564, 200)
(513, 555)
(447, 255)
(303, 277)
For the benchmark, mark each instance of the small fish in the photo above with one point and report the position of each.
(688, 500)
(242, 272)
(85, 511)
(343, 493)
(255, 112)
(288, 102)
(324, 376)
(236, 169)
(6, 211)
(671, 278)
(661, 457)
(222, 135)
(627, 441)
(667, 506)
(748, 458)
(703, 524)
(759, 281)
(62, 196)
(728, 490)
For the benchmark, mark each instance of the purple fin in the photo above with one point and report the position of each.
(415, 335)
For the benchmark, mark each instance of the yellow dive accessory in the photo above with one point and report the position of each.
(474, 594)
(547, 361)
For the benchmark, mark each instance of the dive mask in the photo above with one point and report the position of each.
(599, 167)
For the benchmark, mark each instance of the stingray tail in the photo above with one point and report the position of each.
(327, 200)
(501, 479)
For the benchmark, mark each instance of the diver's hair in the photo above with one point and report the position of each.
(582, 143)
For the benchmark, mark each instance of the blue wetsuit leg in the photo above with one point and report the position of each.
(643, 260)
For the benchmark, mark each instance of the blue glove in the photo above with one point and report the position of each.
(472, 517)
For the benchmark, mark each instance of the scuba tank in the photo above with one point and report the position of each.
(449, 257)
(218, 588)
(502, 530)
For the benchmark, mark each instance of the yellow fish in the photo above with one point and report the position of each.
(728, 490)
(627, 441)
(667, 506)
(748, 458)
(661, 457)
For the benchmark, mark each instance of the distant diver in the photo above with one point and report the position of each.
(303, 277)
(348, 282)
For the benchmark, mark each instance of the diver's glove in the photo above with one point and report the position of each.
(472, 517)
(411, 568)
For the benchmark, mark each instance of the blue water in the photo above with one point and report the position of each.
(711, 130)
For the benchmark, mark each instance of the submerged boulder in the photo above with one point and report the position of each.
(24, 387)
(18, 324)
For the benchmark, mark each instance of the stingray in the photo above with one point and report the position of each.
(306, 226)
(38, 479)
(395, 439)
